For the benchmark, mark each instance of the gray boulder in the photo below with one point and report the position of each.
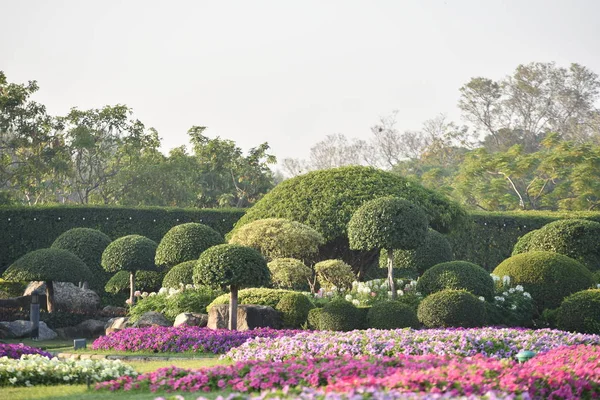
(87, 329)
(114, 311)
(191, 319)
(116, 324)
(68, 297)
(22, 329)
(249, 316)
(152, 318)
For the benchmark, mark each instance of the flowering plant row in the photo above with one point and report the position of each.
(567, 372)
(182, 338)
(17, 350)
(35, 369)
(490, 342)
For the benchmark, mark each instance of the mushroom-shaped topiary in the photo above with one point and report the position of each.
(459, 275)
(50, 265)
(180, 274)
(334, 273)
(290, 273)
(452, 308)
(87, 244)
(580, 312)
(232, 266)
(130, 253)
(388, 223)
(185, 242)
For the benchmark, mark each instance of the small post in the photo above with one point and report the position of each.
(79, 344)
(34, 315)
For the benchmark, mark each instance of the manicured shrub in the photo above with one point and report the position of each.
(548, 277)
(596, 277)
(279, 238)
(11, 289)
(181, 273)
(260, 296)
(145, 281)
(334, 273)
(294, 309)
(452, 308)
(391, 315)
(459, 275)
(290, 273)
(580, 312)
(522, 245)
(314, 318)
(185, 242)
(339, 315)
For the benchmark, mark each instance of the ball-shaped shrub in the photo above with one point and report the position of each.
(391, 315)
(185, 242)
(522, 245)
(435, 249)
(279, 238)
(459, 275)
(334, 273)
(580, 312)
(294, 309)
(290, 273)
(548, 277)
(339, 315)
(259, 296)
(129, 253)
(452, 308)
(181, 273)
(145, 281)
(314, 318)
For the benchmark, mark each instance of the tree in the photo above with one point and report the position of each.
(232, 266)
(185, 242)
(388, 223)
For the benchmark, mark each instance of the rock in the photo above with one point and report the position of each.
(191, 319)
(68, 297)
(116, 324)
(114, 311)
(152, 318)
(5, 333)
(87, 329)
(22, 329)
(249, 317)
(46, 333)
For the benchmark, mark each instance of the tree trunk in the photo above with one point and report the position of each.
(50, 296)
(233, 300)
(390, 265)
(132, 288)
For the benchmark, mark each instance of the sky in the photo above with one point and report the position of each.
(283, 72)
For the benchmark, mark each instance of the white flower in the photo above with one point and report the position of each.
(389, 293)
(348, 297)
(481, 298)
(511, 290)
(598, 286)
(400, 292)
(513, 307)
(499, 298)
(145, 294)
(163, 290)
(506, 280)
(526, 294)
(519, 288)
(356, 302)
(496, 278)
(152, 294)
(189, 286)
(505, 294)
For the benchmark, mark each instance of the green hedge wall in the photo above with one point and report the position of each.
(24, 229)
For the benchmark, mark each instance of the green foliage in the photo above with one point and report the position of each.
(452, 308)
(387, 223)
(339, 315)
(334, 274)
(458, 275)
(435, 249)
(596, 277)
(279, 238)
(290, 273)
(171, 304)
(259, 296)
(580, 312)
(129, 253)
(391, 315)
(511, 306)
(314, 319)
(48, 265)
(548, 277)
(185, 242)
(62, 319)
(181, 273)
(294, 309)
(11, 289)
(87, 244)
(145, 281)
(228, 265)
(524, 243)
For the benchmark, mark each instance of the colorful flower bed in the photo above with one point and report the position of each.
(184, 338)
(17, 350)
(567, 372)
(490, 342)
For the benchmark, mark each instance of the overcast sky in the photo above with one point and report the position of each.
(284, 72)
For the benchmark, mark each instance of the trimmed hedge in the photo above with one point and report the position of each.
(185, 242)
(336, 273)
(452, 308)
(391, 315)
(259, 296)
(458, 275)
(294, 309)
(290, 273)
(580, 312)
(181, 273)
(339, 315)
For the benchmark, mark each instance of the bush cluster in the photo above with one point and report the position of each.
(290, 273)
(180, 274)
(339, 315)
(580, 312)
(452, 308)
(294, 309)
(391, 315)
(459, 275)
(334, 274)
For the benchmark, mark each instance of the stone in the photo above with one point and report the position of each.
(191, 319)
(46, 333)
(114, 311)
(68, 297)
(5, 332)
(250, 316)
(152, 318)
(116, 324)
(22, 329)
(91, 328)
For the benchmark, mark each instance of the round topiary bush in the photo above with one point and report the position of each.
(181, 273)
(129, 253)
(145, 281)
(452, 308)
(391, 315)
(334, 273)
(185, 242)
(290, 273)
(259, 296)
(294, 309)
(548, 277)
(459, 275)
(314, 318)
(580, 312)
(522, 245)
(338, 315)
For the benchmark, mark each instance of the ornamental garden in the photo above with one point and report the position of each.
(348, 283)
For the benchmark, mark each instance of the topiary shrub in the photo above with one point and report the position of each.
(596, 277)
(145, 281)
(185, 242)
(548, 277)
(290, 273)
(580, 312)
(279, 238)
(314, 318)
(339, 315)
(87, 244)
(294, 309)
(334, 273)
(181, 273)
(459, 275)
(452, 308)
(522, 245)
(259, 296)
(391, 315)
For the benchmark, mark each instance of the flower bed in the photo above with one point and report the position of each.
(184, 338)
(34, 369)
(567, 372)
(17, 350)
(491, 342)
